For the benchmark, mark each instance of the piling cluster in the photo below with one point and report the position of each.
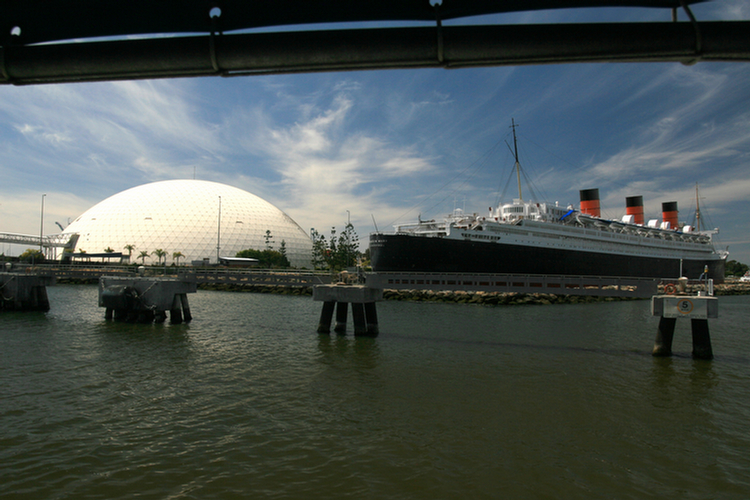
(339, 297)
(145, 299)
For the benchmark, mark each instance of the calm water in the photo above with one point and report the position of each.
(450, 401)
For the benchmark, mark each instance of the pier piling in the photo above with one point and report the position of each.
(326, 315)
(146, 300)
(697, 308)
(341, 308)
(24, 292)
(361, 298)
(664, 336)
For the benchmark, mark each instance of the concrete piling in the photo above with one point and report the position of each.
(371, 317)
(696, 308)
(146, 300)
(664, 336)
(326, 315)
(362, 300)
(341, 308)
(701, 339)
(24, 292)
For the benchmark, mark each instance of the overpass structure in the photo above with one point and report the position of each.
(48, 243)
(92, 40)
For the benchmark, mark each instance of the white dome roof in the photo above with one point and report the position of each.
(183, 216)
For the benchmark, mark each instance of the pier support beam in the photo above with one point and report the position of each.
(696, 308)
(362, 300)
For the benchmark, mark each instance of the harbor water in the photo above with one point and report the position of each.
(450, 401)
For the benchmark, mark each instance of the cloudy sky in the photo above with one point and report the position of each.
(387, 146)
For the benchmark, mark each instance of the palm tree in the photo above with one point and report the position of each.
(159, 254)
(130, 249)
(144, 254)
(109, 250)
(176, 256)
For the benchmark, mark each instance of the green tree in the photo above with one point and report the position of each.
(319, 250)
(282, 248)
(31, 255)
(109, 250)
(734, 268)
(143, 256)
(176, 256)
(347, 251)
(268, 238)
(336, 253)
(266, 258)
(160, 254)
(130, 249)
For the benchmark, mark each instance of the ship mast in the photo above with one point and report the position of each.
(515, 154)
(697, 209)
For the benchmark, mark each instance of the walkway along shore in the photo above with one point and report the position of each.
(251, 282)
(462, 297)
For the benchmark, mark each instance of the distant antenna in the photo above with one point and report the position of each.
(515, 154)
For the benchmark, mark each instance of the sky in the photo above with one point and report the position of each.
(382, 147)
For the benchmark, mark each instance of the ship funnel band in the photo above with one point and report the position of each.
(590, 202)
(669, 213)
(634, 207)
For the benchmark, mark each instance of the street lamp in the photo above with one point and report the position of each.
(41, 228)
(218, 237)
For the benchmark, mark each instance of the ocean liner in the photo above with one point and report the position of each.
(549, 239)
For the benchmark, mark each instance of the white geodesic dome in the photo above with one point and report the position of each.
(183, 216)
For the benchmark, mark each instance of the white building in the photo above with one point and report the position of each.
(183, 216)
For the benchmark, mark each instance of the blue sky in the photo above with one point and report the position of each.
(390, 145)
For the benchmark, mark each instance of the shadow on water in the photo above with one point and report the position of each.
(561, 348)
(363, 352)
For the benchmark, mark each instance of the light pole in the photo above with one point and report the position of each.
(41, 228)
(218, 237)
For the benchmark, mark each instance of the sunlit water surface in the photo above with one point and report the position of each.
(450, 401)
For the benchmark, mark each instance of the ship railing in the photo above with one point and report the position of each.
(672, 286)
(602, 286)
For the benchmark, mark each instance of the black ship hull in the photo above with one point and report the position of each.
(406, 253)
